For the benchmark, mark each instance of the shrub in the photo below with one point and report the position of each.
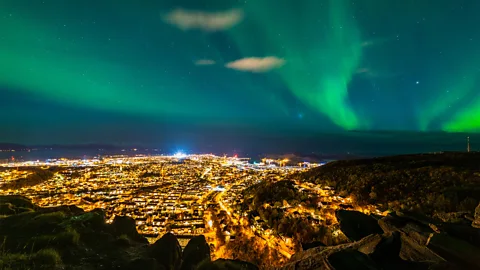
(123, 240)
(47, 258)
(17, 201)
(55, 217)
(70, 237)
(64, 239)
(46, 222)
(14, 261)
(7, 209)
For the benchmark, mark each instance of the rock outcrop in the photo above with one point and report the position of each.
(306, 246)
(350, 259)
(196, 251)
(66, 237)
(356, 225)
(126, 226)
(167, 251)
(455, 251)
(317, 258)
(405, 242)
(465, 232)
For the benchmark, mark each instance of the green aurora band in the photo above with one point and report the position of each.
(318, 71)
(433, 55)
(76, 68)
(457, 100)
(73, 76)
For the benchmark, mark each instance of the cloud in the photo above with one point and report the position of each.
(207, 21)
(367, 72)
(363, 71)
(379, 41)
(204, 62)
(256, 64)
(367, 43)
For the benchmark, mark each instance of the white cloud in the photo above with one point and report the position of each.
(207, 21)
(363, 71)
(367, 43)
(204, 62)
(256, 64)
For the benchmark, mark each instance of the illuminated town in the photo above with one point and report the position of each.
(187, 195)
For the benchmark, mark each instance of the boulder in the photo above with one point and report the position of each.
(464, 232)
(388, 249)
(455, 250)
(395, 250)
(356, 225)
(417, 217)
(126, 225)
(96, 219)
(317, 258)
(225, 264)
(351, 259)
(391, 223)
(415, 233)
(418, 231)
(386, 255)
(302, 255)
(167, 251)
(196, 251)
(307, 246)
(411, 250)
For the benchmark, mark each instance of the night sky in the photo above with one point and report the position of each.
(145, 71)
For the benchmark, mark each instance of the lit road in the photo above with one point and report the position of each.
(273, 242)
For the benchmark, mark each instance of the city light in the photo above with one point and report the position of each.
(188, 202)
(179, 154)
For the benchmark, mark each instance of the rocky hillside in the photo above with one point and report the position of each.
(68, 238)
(397, 241)
(433, 184)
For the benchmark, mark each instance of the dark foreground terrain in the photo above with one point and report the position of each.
(69, 238)
(433, 223)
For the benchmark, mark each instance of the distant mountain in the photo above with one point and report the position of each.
(92, 146)
(12, 146)
(314, 157)
(81, 146)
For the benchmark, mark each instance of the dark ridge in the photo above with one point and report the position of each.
(432, 183)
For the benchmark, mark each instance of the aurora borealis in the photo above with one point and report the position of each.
(81, 68)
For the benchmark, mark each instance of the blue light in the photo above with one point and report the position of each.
(180, 154)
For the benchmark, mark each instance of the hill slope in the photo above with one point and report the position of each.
(430, 183)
